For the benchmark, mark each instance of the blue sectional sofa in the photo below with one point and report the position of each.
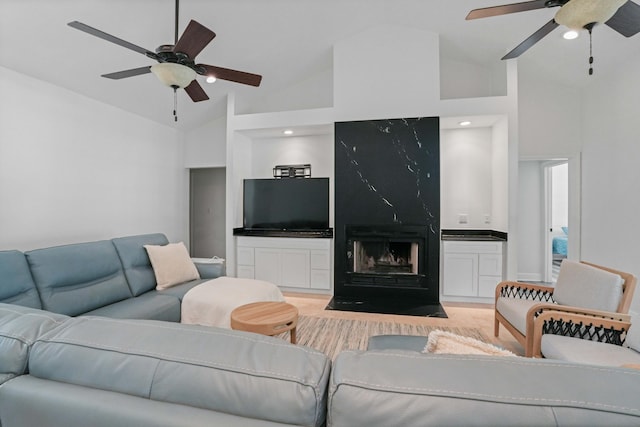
(112, 278)
(75, 352)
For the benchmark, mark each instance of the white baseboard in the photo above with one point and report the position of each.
(529, 277)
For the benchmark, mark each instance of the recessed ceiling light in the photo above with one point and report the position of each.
(465, 123)
(288, 132)
(211, 79)
(570, 35)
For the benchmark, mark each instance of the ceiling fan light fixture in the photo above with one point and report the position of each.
(570, 35)
(173, 75)
(211, 79)
(576, 14)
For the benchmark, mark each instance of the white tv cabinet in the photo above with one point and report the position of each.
(292, 263)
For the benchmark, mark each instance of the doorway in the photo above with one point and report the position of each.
(207, 206)
(537, 227)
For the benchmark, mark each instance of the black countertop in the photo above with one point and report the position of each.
(474, 235)
(262, 232)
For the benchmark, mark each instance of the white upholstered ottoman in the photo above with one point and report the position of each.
(211, 303)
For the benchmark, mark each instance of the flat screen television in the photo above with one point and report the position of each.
(286, 204)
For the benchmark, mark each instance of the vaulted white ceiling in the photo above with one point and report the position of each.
(286, 41)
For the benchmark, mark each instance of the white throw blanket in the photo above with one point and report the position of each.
(211, 303)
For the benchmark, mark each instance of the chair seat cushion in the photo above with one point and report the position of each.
(589, 352)
(150, 305)
(515, 311)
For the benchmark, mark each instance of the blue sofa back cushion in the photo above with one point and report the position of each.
(20, 327)
(16, 283)
(74, 279)
(137, 267)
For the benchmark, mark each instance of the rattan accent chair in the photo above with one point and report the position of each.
(582, 288)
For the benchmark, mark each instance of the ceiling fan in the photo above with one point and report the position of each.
(176, 65)
(621, 15)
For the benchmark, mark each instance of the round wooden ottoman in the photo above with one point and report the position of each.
(267, 318)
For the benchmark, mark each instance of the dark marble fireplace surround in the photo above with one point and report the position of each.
(387, 214)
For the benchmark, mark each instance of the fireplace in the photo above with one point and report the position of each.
(387, 216)
(385, 255)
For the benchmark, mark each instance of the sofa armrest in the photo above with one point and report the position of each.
(606, 327)
(210, 270)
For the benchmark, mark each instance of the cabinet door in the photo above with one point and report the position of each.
(267, 265)
(245, 256)
(487, 285)
(320, 279)
(295, 268)
(460, 274)
(490, 265)
(245, 272)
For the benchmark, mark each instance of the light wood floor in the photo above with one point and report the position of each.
(478, 316)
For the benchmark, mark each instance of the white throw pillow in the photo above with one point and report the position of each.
(171, 264)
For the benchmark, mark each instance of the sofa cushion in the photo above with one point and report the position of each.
(16, 283)
(383, 388)
(584, 351)
(19, 328)
(179, 291)
(30, 401)
(135, 261)
(582, 285)
(150, 305)
(74, 279)
(221, 370)
(171, 264)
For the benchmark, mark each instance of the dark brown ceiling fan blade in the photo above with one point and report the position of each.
(626, 20)
(113, 39)
(231, 75)
(128, 73)
(195, 38)
(505, 9)
(531, 40)
(195, 92)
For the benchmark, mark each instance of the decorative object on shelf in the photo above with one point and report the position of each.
(292, 171)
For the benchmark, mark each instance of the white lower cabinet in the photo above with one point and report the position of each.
(300, 263)
(471, 269)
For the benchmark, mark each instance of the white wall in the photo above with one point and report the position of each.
(531, 221)
(73, 169)
(499, 177)
(317, 150)
(206, 146)
(461, 79)
(465, 177)
(611, 153)
(549, 118)
(377, 74)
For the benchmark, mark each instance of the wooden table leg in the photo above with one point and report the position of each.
(292, 332)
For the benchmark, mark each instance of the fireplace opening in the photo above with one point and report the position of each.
(385, 257)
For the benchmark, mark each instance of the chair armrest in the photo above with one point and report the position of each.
(601, 326)
(524, 291)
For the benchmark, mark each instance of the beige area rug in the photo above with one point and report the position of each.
(331, 336)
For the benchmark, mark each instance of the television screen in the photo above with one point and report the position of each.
(286, 204)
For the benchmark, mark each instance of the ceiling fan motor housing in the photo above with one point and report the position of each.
(577, 14)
